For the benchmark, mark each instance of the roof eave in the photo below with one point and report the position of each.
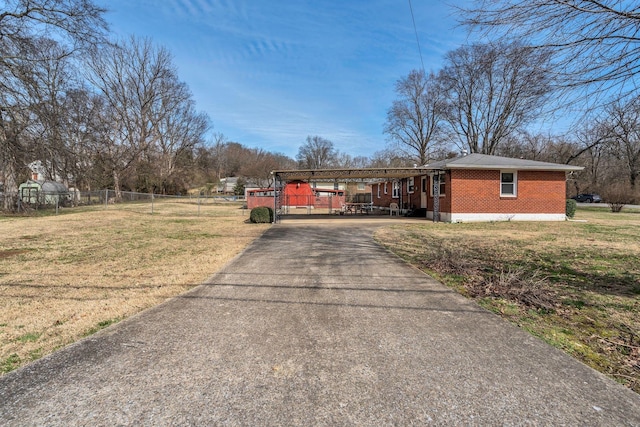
(560, 168)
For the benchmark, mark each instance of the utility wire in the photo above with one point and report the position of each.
(417, 39)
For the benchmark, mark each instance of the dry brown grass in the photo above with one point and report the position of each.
(574, 284)
(63, 277)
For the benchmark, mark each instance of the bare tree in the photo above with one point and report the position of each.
(624, 133)
(414, 120)
(24, 27)
(390, 158)
(492, 91)
(217, 150)
(346, 161)
(78, 23)
(48, 79)
(179, 133)
(316, 153)
(235, 155)
(596, 43)
(82, 130)
(259, 164)
(14, 146)
(141, 89)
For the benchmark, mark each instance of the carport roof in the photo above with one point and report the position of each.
(349, 174)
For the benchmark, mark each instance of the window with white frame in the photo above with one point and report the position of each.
(424, 184)
(508, 183)
(396, 190)
(361, 186)
(411, 185)
(440, 182)
(379, 190)
(385, 188)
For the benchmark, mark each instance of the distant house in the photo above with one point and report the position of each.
(359, 192)
(480, 187)
(227, 185)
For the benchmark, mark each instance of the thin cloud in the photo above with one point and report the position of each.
(271, 73)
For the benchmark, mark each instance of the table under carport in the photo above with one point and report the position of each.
(282, 177)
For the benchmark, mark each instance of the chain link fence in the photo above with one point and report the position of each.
(144, 203)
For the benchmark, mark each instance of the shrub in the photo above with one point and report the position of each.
(260, 215)
(617, 196)
(571, 208)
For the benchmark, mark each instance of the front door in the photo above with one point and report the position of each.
(423, 193)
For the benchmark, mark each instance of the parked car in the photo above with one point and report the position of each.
(587, 198)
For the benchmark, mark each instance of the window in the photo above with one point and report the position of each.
(335, 186)
(360, 186)
(508, 184)
(396, 190)
(424, 184)
(385, 188)
(440, 181)
(379, 190)
(410, 185)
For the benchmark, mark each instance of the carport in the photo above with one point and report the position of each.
(281, 177)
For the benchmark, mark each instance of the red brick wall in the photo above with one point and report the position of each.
(385, 199)
(409, 200)
(445, 201)
(478, 191)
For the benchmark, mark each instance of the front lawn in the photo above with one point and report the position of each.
(574, 284)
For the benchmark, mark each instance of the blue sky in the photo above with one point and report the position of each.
(271, 72)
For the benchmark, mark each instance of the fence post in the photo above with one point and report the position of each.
(152, 203)
(106, 198)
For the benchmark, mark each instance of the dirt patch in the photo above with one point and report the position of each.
(11, 252)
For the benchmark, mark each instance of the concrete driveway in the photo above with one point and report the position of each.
(314, 324)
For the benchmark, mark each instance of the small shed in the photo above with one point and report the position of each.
(40, 193)
(297, 194)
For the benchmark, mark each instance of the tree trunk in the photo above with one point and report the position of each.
(116, 185)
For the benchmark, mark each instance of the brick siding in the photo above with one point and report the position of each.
(478, 191)
(409, 200)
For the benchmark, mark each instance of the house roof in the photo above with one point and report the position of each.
(484, 161)
(471, 161)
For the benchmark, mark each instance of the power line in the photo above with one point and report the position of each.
(417, 39)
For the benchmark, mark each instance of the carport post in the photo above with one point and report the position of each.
(436, 197)
(275, 197)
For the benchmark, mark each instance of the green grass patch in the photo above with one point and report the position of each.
(10, 363)
(30, 337)
(101, 325)
(35, 354)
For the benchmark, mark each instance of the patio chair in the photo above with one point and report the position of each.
(393, 208)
